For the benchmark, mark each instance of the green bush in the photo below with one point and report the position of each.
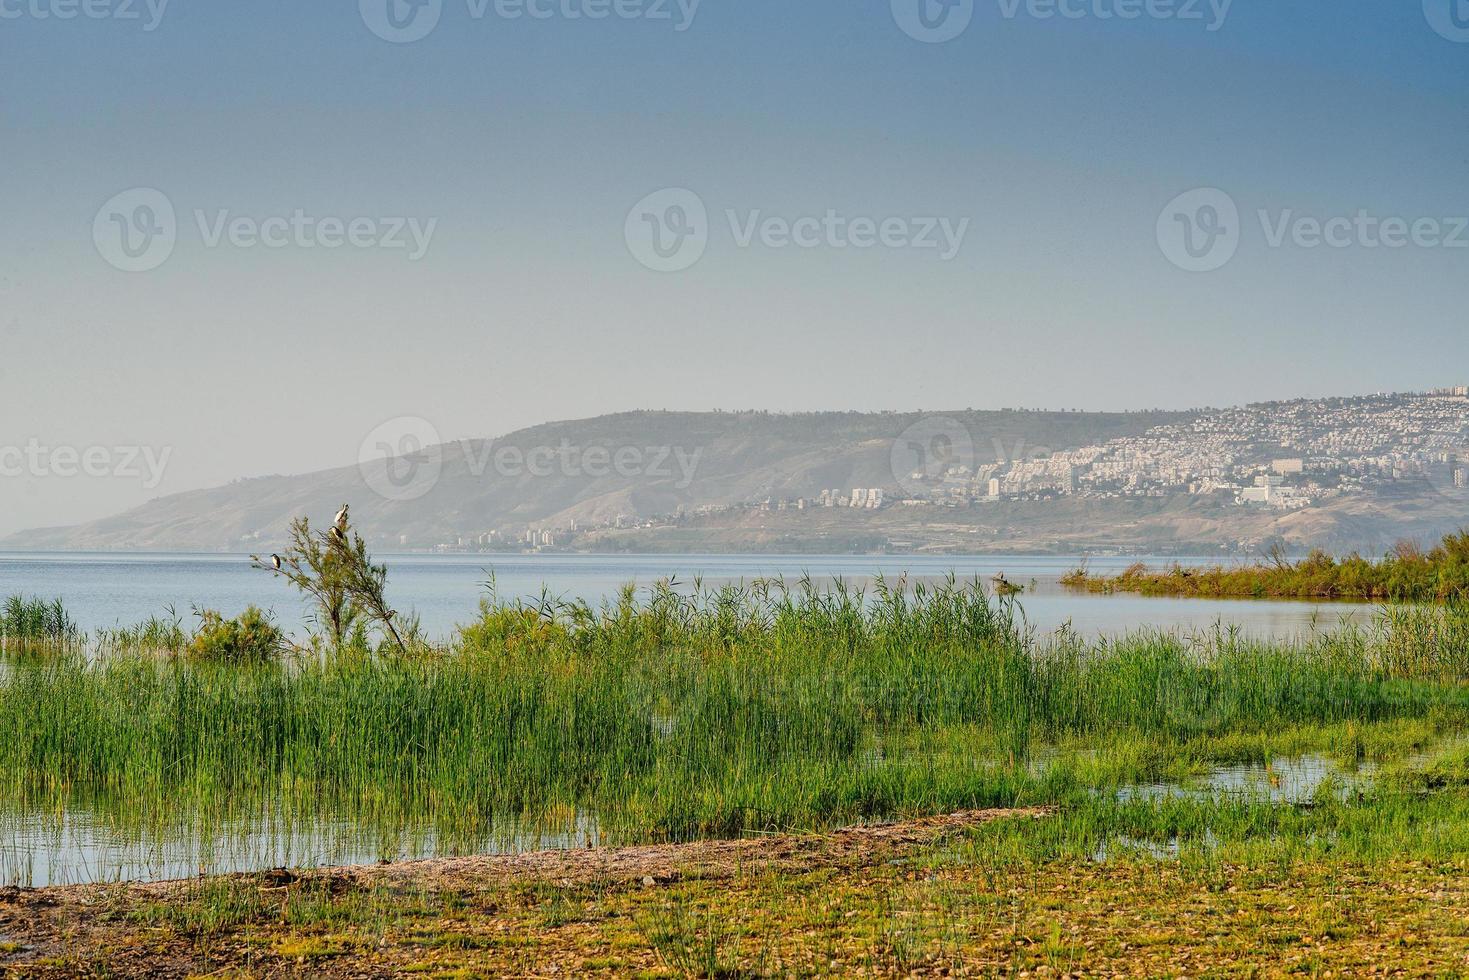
(250, 636)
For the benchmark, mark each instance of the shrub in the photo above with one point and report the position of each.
(251, 636)
(513, 629)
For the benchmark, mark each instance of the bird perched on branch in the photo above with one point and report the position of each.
(275, 562)
(340, 521)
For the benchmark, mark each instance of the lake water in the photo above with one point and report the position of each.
(108, 590)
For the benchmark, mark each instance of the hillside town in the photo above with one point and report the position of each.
(1284, 455)
(1279, 455)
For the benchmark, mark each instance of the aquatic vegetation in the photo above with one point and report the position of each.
(155, 634)
(1407, 574)
(36, 621)
(679, 712)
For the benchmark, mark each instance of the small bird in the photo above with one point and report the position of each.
(341, 519)
(338, 534)
(275, 562)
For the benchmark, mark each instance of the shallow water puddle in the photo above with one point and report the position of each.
(78, 848)
(1287, 781)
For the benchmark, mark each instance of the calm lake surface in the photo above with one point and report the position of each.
(108, 590)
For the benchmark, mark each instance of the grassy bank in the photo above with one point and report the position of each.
(1408, 574)
(674, 716)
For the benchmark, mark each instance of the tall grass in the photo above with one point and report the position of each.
(676, 714)
(36, 621)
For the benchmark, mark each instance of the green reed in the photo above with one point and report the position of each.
(26, 621)
(675, 713)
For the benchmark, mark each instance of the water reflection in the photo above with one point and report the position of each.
(1287, 781)
(78, 847)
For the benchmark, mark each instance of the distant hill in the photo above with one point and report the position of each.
(736, 458)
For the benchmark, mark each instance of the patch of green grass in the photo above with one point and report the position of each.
(695, 941)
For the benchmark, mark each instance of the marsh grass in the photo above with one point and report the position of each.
(674, 714)
(36, 621)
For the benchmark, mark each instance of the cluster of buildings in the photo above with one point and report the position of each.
(860, 498)
(1285, 455)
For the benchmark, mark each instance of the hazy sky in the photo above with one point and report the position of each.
(517, 147)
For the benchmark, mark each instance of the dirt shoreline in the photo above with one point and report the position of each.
(935, 897)
(82, 930)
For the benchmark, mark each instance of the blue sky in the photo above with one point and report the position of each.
(526, 142)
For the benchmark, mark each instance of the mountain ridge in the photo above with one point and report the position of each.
(742, 457)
